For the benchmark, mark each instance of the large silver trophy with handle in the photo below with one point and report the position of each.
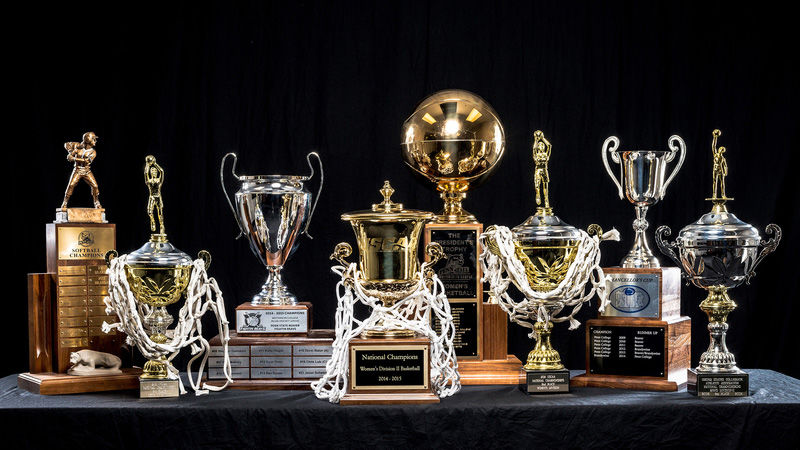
(272, 211)
(643, 181)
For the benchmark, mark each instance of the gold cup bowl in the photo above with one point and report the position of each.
(388, 238)
(454, 139)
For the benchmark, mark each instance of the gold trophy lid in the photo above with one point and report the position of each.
(387, 210)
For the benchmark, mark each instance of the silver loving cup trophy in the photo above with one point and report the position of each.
(272, 210)
(642, 181)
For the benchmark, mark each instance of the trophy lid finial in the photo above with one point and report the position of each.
(387, 205)
(154, 178)
(541, 177)
(720, 171)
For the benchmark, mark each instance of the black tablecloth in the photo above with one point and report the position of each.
(478, 416)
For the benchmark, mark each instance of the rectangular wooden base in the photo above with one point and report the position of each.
(620, 382)
(498, 371)
(388, 398)
(60, 383)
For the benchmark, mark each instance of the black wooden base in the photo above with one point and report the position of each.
(701, 384)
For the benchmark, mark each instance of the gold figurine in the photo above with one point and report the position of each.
(154, 178)
(541, 177)
(82, 154)
(720, 167)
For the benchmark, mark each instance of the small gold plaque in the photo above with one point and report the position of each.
(97, 310)
(72, 312)
(72, 301)
(96, 300)
(84, 242)
(72, 290)
(98, 290)
(72, 332)
(74, 342)
(71, 270)
(98, 321)
(72, 322)
(98, 269)
(71, 280)
(98, 280)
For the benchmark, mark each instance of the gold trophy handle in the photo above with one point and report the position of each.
(595, 230)
(206, 257)
(609, 148)
(111, 254)
(319, 190)
(767, 247)
(225, 191)
(436, 253)
(342, 251)
(681, 147)
(665, 246)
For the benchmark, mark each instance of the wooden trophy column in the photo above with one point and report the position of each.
(640, 341)
(481, 341)
(66, 310)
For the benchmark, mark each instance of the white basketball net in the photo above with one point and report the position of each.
(412, 313)
(538, 306)
(202, 294)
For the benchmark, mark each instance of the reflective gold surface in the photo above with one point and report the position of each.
(82, 154)
(455, 140)
(154, 179)
(158, 286)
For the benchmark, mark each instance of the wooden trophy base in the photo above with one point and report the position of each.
(60, 383)
(389, 371)
(640, 354)
(273, 320)
(272, 362)
(496, 366)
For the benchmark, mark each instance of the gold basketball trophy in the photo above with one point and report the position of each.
(143, 283)
(718, 252)
(455, 140)
(395, 355)
(65, 304)
(551, 263)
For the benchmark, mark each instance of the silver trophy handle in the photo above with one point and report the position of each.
(767, 247)
(319, 191)
(614, 157)
(665, 246)
(680, 147)
(227, 197)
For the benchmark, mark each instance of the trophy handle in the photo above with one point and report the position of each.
(206, 257)
(680, 147)
(111, 254)
(435, 252)
(319, 190)
(614, 157)
(665, 246)
(342, 251)
(767, 247)
(227, 197)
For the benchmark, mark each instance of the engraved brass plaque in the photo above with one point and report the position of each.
(99, 269)
(383, 367)
(72, 332)
(72, 290)
(84, 242)
(98, 321)
(71, 270)
(97, 310)
(71, 280)
(72, 301)
(98, 280)
(72, 322)
(72, 312)
(98, 290)
(74, 342)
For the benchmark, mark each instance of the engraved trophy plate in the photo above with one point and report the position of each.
(389, 367)
(628, 350)
(546, 381)
(651, 293)
(155, 388)
(272, 320)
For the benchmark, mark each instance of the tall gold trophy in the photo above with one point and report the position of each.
(455, 140)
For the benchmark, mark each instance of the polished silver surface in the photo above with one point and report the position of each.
(272, 211)
(643, 181)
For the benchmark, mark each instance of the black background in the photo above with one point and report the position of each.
(190, 82)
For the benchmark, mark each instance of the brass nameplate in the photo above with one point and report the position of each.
(71, 270)
(389, 367)
(158, 388)
(71, 280)
(77, 242)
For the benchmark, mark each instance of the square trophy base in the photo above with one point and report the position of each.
(545, 381)
(272, 362)
(640, 354)
(389, 371)
(269, 320)
(157, 388)
(61, 383)
(735, 384)
(495, 366)
(80, 215)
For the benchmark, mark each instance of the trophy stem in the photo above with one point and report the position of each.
(543, 356)
(274, 292)
(717, 306)
(453, 211)
(640, 255)
(157, 321)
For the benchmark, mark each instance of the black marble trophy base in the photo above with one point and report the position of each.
(735, 384)
(545, 381)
